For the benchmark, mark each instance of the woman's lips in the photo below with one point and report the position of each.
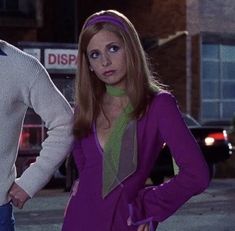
(108, 73)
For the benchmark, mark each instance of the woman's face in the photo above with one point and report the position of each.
(107, 58)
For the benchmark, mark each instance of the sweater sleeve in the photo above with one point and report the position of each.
(55, 111)
(156, 203)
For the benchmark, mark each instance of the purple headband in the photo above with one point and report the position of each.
(106, 18)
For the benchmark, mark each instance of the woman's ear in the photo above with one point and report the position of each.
(91, 69)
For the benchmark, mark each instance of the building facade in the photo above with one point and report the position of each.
(193, 50)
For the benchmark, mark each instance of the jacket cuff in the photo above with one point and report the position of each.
(138, 217)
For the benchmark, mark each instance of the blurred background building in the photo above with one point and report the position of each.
(191, 44)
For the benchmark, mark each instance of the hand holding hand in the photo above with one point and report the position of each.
(18, 196)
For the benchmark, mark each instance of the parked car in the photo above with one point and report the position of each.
(213, 142)
(225, 124)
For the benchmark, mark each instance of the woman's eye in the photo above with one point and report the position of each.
(114, 48)
(94, 55)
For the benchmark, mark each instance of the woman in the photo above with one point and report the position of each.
(122, 121)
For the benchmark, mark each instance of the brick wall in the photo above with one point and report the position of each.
(217, 16)
(170, 62)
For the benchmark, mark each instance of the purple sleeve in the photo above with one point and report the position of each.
(156, 203)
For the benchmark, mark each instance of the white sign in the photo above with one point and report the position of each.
(60, 59)
(36, 52)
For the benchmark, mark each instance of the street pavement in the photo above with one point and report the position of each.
(213, 210)
(44, 212)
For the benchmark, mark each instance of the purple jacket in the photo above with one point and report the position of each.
(162, 123)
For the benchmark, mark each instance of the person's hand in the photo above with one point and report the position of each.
(18, 196)
(143, 227)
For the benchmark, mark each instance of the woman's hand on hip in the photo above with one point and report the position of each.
(143, 227)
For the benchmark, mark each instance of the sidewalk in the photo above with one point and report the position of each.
(42, 213)
(226, 169)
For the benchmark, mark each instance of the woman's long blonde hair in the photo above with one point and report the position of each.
(141, 85)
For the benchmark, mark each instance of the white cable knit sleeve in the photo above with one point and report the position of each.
(55, 111)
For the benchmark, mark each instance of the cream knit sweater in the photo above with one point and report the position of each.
(25, 83)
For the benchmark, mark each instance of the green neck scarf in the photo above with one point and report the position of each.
(113, 145)
(115, 91)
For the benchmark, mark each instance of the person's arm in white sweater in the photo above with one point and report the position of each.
(57, 114)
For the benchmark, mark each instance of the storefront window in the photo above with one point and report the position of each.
(66, 85)
(34, 131)
(31, 137)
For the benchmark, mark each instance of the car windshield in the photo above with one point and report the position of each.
(190, 121)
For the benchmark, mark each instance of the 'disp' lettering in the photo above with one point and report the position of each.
(62, 59)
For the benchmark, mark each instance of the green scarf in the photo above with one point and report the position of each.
(115, 91)
(113, 145)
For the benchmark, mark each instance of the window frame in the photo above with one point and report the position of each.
(220, 40)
